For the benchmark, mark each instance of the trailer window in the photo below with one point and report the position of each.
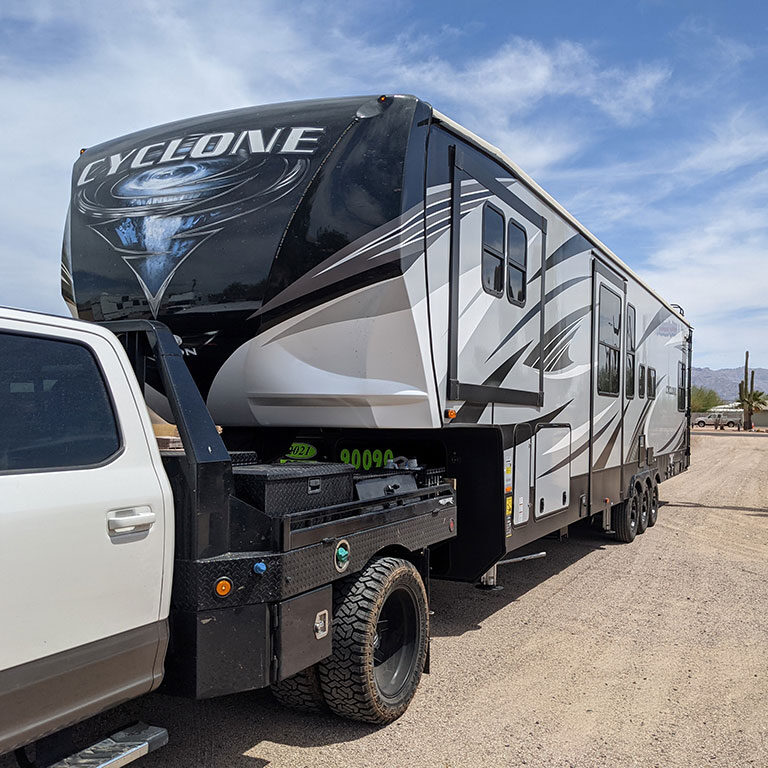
(492, 266)
(609, 342)
(641, 381)
(651, 386)
(629, 381)
(55, 411)
(682, 389)
(517, 257)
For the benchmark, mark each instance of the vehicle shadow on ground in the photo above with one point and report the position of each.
(460, 608)
(221, 731)
(758, 511)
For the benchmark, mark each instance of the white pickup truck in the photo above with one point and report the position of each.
(110, 546)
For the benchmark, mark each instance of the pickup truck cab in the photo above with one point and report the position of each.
(86, 551)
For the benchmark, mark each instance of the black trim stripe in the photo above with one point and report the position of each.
(672, 439)
(508, 430)
(632, 448)
(583, 447)
(556, 291)
(602, 459)
(571, 247)
(556, 334)
(658, 319)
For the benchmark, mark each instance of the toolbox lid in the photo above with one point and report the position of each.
(294, 470)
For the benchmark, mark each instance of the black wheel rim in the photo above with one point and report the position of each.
(395, 643)
(644, 509)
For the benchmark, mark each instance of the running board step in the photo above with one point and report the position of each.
(118, 749)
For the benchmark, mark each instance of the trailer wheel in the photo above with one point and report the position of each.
(380, 631)
(626, 517)
(653, 504)
(301, 691)
(643, 506)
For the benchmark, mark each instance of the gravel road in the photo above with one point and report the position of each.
(601, 654)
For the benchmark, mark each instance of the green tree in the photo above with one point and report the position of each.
(702, 399)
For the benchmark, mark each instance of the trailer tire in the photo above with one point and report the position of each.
(653, 504)
(301, 691)
(380, 635)
(625, 518)
(643, 507)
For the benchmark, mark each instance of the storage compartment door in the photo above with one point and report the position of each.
(522, 482)
(523, 465)
(552, 469)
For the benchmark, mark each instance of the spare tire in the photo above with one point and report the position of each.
(380, 635)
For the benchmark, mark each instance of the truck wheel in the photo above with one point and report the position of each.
(643, 505)
(731, 424)
(701, 423)
(625, 518)
(301, 691)
(653, 504)
(380, 631)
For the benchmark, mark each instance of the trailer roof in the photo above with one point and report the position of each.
(498, 155)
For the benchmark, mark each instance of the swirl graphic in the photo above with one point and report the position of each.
(156, 217)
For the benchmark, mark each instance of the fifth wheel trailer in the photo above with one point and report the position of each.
(366, 277)
(420, 362)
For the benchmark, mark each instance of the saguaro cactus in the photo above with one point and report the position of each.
(747, 394)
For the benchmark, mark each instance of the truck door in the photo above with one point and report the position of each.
(84, 530)
(606, 446)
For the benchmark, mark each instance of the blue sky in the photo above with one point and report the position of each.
(647, 120)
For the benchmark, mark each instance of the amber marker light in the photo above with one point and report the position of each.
(450, 413)
(223, 587)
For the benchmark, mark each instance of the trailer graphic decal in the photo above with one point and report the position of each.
(156, 218)
(550, 295)
(384, 252)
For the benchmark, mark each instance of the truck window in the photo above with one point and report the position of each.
(629, 381)
(609, 342)
(493, 251)
(55, 411)
(517, 257)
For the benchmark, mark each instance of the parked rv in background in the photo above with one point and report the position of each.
(420, 361)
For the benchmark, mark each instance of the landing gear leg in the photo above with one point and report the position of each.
(489, 581)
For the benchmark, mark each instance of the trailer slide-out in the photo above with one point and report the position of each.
(419, 362)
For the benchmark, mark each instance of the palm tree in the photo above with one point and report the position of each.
(752, 401)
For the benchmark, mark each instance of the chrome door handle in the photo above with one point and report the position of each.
(135, 520)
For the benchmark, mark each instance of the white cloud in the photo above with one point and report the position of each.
(523, 73)
(714, 264)
(546, 106)
(164, 61)
(741, 139)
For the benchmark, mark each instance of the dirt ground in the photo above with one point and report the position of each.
(601, 654)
